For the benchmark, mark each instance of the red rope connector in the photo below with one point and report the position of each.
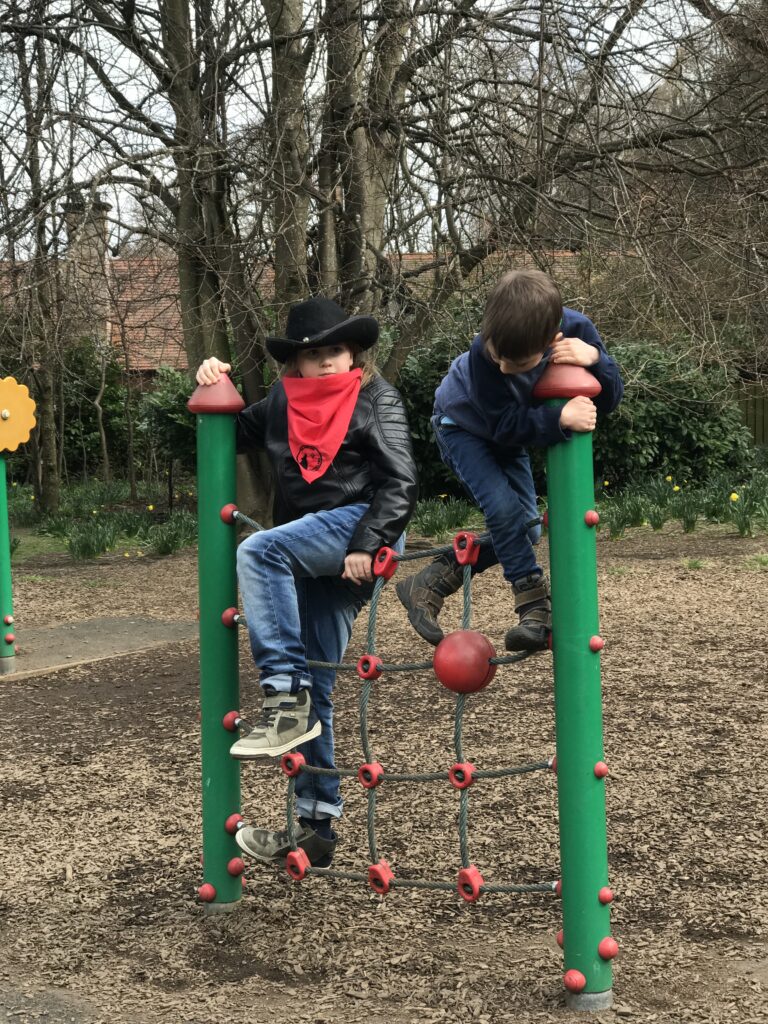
(206, 892)
(297, 864)
(236, 866)
(292, 764)
(231, 721)
(385, 563)
(469, 883)
(574, 981)
(233, 823)
(370, 775)
(228, 513)
(369, 667)
(230, 617)
(461, 775)
(380, 877)
(466, 547)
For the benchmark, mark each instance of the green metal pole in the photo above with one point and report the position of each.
(7, 637)
(219, 677)
(578, 709)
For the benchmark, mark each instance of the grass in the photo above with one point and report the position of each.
(694, 563)
(758, 563)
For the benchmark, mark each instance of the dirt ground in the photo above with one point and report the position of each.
(100, 817)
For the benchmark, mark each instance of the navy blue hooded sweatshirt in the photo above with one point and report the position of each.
(479, 398)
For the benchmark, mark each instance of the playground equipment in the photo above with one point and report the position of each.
(464, 662)
(17, 418)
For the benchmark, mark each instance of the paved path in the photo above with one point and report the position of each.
(44, 649)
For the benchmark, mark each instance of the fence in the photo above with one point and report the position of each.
(754, 409)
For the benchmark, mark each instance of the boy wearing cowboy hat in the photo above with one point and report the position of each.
(338, 441)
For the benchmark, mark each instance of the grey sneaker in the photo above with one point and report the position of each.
(267, 846)
(287, 720)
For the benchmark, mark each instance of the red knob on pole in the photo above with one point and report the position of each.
(605, 895)
(574, 981)
(596, 643)
(206, 892)
(231, 720)
(228, 513)
(233, 823)
(236, 866)
(608, 948)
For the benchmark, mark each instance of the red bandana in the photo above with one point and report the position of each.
(319, 411)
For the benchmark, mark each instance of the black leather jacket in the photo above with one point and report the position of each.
(374, 464)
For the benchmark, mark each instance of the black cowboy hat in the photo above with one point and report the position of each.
(318, 322)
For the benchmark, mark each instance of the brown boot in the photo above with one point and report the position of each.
(534, 607)
(423, 595)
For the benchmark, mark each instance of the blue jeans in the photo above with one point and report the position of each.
(298, 608)
(499, 479)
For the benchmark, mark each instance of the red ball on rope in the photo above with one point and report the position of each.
(462, 661)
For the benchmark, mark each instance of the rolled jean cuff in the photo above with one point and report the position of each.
(287, 682)
(314, 809)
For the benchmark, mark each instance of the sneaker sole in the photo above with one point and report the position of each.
(251, 755)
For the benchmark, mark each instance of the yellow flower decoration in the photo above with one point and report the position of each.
(734, 496)
(606, 483)
(676, 487)
(150, 508)
(668, 479)
(17, 414)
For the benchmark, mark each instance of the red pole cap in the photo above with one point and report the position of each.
(562, 380)
(222, 396)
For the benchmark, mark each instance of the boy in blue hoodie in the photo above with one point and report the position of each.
(485, 416)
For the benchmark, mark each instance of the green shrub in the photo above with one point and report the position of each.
(657, 516)
(58, 525)
(686, 508)
(178, 532)
(442, 517)
(87, 539)
(133, 524)
(677, 418)
(22, 507)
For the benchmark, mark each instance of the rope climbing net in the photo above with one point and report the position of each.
(464, 662)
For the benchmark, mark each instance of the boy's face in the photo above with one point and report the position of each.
(512, 366)
(325, 361)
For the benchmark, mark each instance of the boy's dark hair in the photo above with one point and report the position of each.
(522, 314)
